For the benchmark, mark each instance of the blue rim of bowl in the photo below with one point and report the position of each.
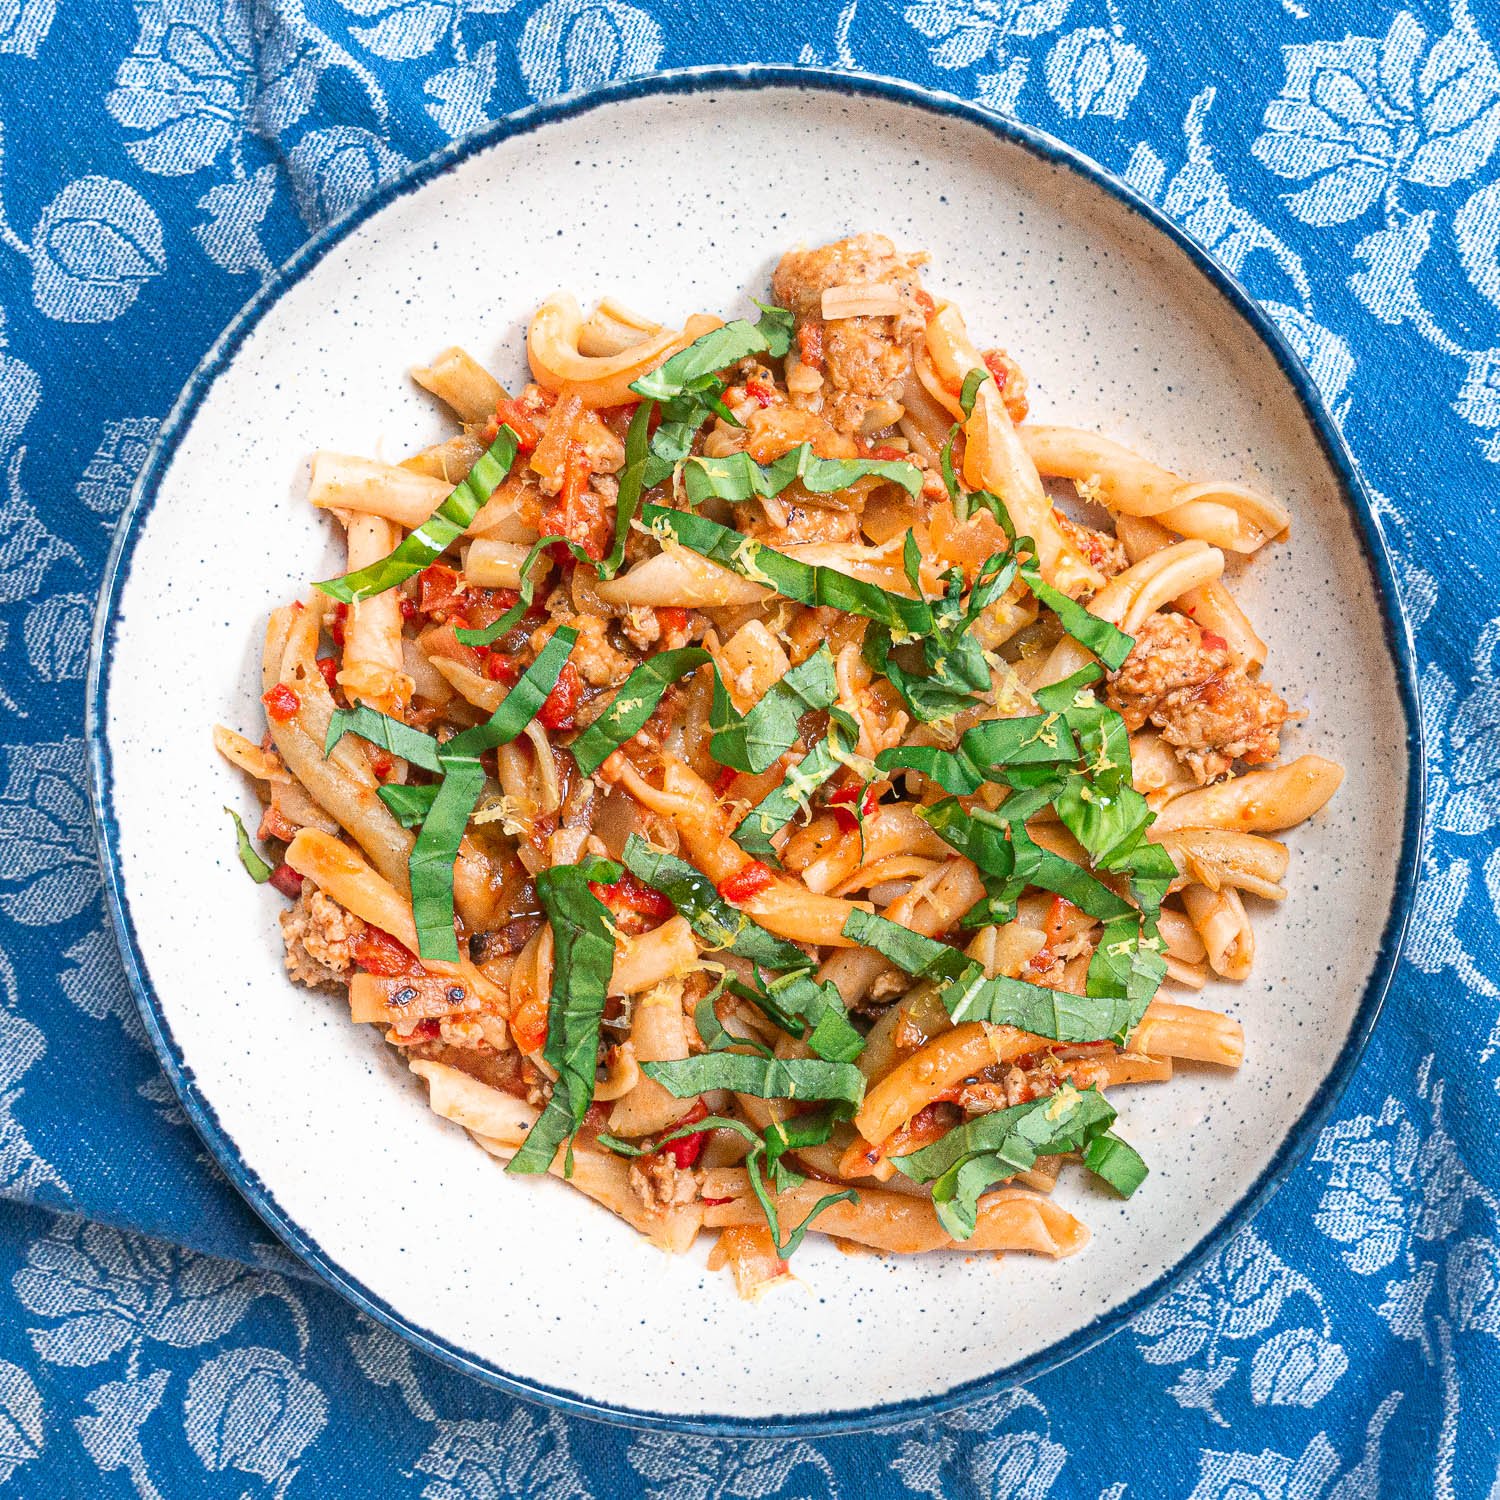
(1398, 640)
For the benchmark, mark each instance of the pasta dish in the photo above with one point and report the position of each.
(759, 775)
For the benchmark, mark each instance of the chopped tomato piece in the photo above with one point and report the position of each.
(760, 391)
(997, 368)
(671, 619)
(576, 471)
(630, 894)
(377, 952)
(557, 712)
(330, 670)
(890, 454)
(724, 780)
(408, 607)
(441, 592)
(337, 623)
(576, 512)
(274, 824)
(843, 800)
(499, 667)
(1057, 916)
(381, 764)
(1214, 641)
(287, 881)
(282, 703)
(686, 1150)
(748, 881)
(510, 413)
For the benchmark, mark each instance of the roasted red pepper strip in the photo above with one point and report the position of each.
(748, 881)
(629, 894)
(557, 711)
(377, 952)
(687, 1149)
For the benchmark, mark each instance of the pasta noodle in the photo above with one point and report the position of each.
(1227, 515)
(802, 825)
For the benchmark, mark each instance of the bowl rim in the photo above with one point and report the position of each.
(688, 81)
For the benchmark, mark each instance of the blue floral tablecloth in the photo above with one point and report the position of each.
(159, 159)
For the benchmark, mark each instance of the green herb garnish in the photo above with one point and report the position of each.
(763, 1077)
(738, 477)
(384, 731)
(769, 729)
(633, 704)
(584, 959)
(968, 995)
(790, 795)
(972, 1158)
(806, 583)
(255, 867)
(437, 533)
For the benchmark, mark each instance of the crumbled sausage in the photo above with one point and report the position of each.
(642, 628)
(1105, 552)
(320, 936)
(1180, 679)
(661, 1184)
(598, 661)
(864, 360)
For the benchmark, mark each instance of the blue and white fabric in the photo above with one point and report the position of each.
(159, 158)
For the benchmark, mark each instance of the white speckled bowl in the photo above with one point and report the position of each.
(646, 191)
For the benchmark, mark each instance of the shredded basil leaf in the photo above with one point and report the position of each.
(769, 729)
(986, 749)
(409, 805)
(436, 849)
(585, 954)
(633, 704)
(1110, 644)
(489, 634)
(785, 1249)
(432, 858)
(790, 795)
(632, 484)
(255, 867)
(382, 730)
(1119, 1164)
(1063, 695)
(969, 394)
(910, 951)
(974, 1157)
(738, 477)
(694, 369)
(968, 995)
(437, 533)
(708, 1122)
(763, 1077)
(714, 920)
(807, 1009)
(807, 583)
(954, 665)
(1004, 849)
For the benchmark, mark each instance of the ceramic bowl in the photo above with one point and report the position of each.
(645, 191)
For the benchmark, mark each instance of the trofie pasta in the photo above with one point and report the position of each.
(757, 775)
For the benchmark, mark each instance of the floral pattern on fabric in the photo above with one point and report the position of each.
(158, 159)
